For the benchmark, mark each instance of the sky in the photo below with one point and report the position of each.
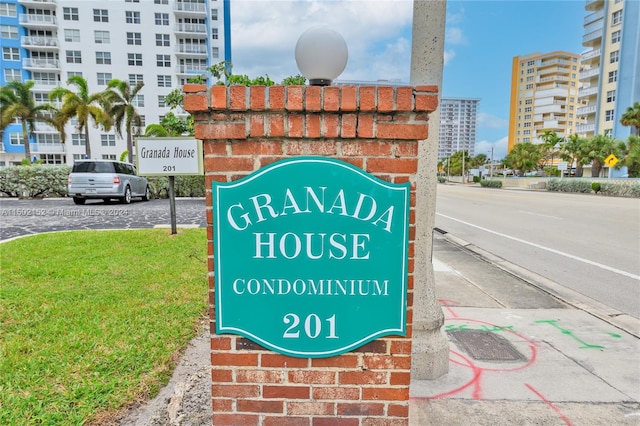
(481, 39)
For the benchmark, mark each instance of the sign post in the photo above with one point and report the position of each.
(311, 257)
(169, 157)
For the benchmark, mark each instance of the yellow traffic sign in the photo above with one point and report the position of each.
(611, 160)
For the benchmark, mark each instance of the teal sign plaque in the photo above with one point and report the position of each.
(311, 257)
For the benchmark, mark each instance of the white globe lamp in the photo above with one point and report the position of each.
(321, 55)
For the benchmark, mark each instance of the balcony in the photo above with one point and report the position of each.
(41, 64)
(40, 4)
(555, 61)
(191, 50)
(588, 74)
(592, 36)
(554, 78)
(39, 43)
(38, 21)
(189, 9)
(586, 110)
(553, 70)
(586, 128)
(44, 85)
(190, 28)
(590, 54)
(593, 17)
(594, 4)
(47, 148)
(191, 69)
(589, 91)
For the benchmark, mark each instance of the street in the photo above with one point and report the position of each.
(588, 243)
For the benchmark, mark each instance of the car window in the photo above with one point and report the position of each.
(121, 168)
(103, 167)
(92, 167)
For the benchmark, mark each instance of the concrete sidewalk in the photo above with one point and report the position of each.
(525, 352)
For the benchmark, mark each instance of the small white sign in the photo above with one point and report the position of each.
(562, 165)
(169, 156)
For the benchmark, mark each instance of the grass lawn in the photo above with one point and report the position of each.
(92, 320)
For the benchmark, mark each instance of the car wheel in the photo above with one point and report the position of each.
(127, 196)
(78, 201)
(147, 194)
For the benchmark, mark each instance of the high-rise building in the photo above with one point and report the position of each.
(544, 96)
(458, 125)
(611, 69)
(159, 42)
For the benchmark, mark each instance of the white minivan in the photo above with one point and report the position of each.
(106, 180)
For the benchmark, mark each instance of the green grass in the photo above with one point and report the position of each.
(92, 320)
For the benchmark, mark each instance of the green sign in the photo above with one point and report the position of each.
(311, 257)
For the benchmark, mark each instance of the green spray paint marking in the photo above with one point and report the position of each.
(616, 335)
(465, 327)
(585, 345)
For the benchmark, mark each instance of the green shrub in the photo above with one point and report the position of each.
(629, 188)
(441, 179)
(34, 181)
(476, 179)
(491, 183)
(184, 186)
(620, 189)
(595, 187)
(569, 185)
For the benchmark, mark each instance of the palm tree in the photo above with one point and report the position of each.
(120, 99)
(632, 118)
(81, 105)
(523, 157)
(548, 147)
(570, 152)
(17, 102)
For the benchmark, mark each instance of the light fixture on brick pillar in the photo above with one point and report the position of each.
(321, 55)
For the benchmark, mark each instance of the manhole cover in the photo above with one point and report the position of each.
(486, 346)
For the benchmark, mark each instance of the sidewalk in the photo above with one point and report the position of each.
(519, 355)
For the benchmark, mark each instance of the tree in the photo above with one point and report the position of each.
(632, 118)
(82, 105)
(570, 152)
(120, 104)
(523, 157)
(549, 148)
(596, 149)
(17, 103)
(632, 156)
(453, 164)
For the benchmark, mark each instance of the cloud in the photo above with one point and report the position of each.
(499, 148)
(454, 35)
(448, 56)
(491, 121)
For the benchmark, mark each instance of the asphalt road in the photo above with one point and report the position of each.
(24, 217)
(588, 243)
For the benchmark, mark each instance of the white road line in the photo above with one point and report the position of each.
(541, 215)
(561, 253)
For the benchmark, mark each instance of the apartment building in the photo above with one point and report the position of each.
(159, 42)
(611, 70)
(544, 96)
(458, 126)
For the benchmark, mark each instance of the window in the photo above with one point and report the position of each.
(100, 15)
(8, 9)
(163, 60)
(135, 59)
(10, 53)
(74, 57)
(77, 139)
(613, 76)
(615, 37)
(215, 52)
(135, 79)
(70, 13)
(138, 101)
(72, 73)
(102, 37)
(164, 81)
(214, 33)
(611, 96)
(531, 71)
(134, 38)
(161, 1)
(16, 139)
(161, 102)
(132, 1)
(529, 86)
(616, 17)
(72, 36)
(104, 78)
(528, 101)
(530, 63)
(162, 18)
(45, 78)
(614, 56)
(214, 14)
(9, 31)
(132, 17)
(103, 58)
(162, 40)
(52, 158)
(527, 116)
(526, 125)
(143, 120)
(108, 156)
(608, 115)
(527, 109)
(108, 140)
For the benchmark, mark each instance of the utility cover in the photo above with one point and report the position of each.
(311, 257)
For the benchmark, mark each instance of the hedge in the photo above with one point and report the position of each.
(491, 183)
(629, 188)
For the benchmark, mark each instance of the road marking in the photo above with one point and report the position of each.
(558, 252)
(541, 215)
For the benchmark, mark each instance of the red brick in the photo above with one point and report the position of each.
(387, 362)
(310, 408)
(426, 102)
(312, 377)
(331, 98)
(328, 148)
(286, 421)
(331, 128)
(235, 419)
(257, 147)
(377, 346)
(349, 98)
(400, 378)
(428, 88)
(342, 361)
(260, 406)
(313, 100)
(228, 164)
(335, 421)
(260, 376)
(286, 392)
(403, 347)
(362, 378)
(404, 98)
(402, 131)
(257, 98)
(221, 375)
(361, 409)
(219, 97)
(367, 98)
(406, 149)
(397, 410)
(294, 97)
(355, 162)
(235, 391)
(220, 131)
(348, 127)
(335, 393)
(313, 126)
(276, 125)
(219, 343)
(238, 97)
(392, 165)
(296, 147)
(216, 147)
(256, 125)
(196, 102)
(276, 98)
(228, 358)
(385, 421)
(386, 394)
(365, 126)
(295, 124)
(282, 361)
(193, 88)
(222, 404)
(385, 98)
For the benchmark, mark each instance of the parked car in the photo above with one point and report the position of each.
(106, 180)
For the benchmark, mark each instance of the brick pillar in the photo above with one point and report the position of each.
(374, 128)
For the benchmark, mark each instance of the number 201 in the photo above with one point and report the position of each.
(312, 326)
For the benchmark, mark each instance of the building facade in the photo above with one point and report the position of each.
(611, 72)
(458, 126)
(544, 96)
(159, 42)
